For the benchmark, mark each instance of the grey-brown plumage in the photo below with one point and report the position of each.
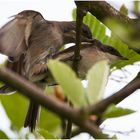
(90, 53)
(29, 41)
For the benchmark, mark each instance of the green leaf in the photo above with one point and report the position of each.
(15, 106)
(46, 134)
(97, 78)
(98, 30)
(136, 6)
(125, 32)
(113, 112)
(124, 10)
(49, 121)
(70, 84)
(114, 137)
(74, 14)
(3, 135)
(49, 89)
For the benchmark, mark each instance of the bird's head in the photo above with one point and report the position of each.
(28, 14)
(69, 32)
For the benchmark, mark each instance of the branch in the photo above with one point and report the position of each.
(31, 91)
(130, 88)
(76, 132)
(101, 106)
(79, 21)
(102, 10)
(68, 130)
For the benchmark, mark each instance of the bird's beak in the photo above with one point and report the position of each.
(16, 16)
(12, 16)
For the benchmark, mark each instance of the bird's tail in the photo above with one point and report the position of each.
(5, 89)
(32, 116)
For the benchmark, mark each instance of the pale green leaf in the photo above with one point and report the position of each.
(15, 106)
(124, 10)
(49, 121)
(98, 30)
(70, 84)
(97, 78)
(114, 137)
(114, 111)
(3, 135)
(45, 134)
(136, 5)
(49, 89)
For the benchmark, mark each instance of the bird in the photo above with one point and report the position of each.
(91, 52)
(29, 41)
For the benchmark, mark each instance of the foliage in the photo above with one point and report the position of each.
(16, 105)
(97, 79)
(72, 86)
(45, 123)
(3, 135)
(45, 134)
(112, 112)
(136, 5)
(127, 32)
(124, 10)
(99, 31)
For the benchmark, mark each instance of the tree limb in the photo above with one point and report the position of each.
(31, 91)
(130, 88)
(102, 10)
(101, 106)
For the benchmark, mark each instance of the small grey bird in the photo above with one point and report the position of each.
(91, 52)
(29, 41)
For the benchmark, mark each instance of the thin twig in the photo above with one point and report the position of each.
(68, 130)
(68, 127)
(76, 132)
(79, 21)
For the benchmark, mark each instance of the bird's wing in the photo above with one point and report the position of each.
(44, 41)
(12, 39)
